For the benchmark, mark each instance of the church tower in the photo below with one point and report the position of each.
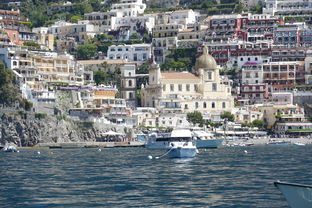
(206, 67)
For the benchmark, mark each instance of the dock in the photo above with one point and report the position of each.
(71, 145)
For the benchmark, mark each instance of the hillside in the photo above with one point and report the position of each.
(41, 13)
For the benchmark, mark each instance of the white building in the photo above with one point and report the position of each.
(182, 92)
(135, 52)
(80, 31)
(282, 98)
(287, 7)
(138, 24)
(183, 17)
(252, 74)
(246, 115)
(103, 21)
(131, 8)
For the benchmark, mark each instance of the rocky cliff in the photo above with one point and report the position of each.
(29, 129)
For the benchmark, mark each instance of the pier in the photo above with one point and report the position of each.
(71, 145)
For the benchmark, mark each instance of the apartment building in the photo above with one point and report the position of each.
(135, 52)
(130, 8)
(164, 38)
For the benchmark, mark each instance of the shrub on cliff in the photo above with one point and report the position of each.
(8, 91)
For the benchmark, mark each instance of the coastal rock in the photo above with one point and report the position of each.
(31, 131)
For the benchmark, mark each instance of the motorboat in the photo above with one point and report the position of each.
(179, 143)
(205, 139)
(185, 150)
(297, 195)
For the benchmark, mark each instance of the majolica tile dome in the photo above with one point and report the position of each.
(205, 61)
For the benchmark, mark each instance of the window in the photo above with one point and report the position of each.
(223, 105)
(214, 86)
(213, 105)
(180, 87)
(187, 87)
(130, 95)
(171, 87)
(129, 74)
(195, 87)
(14, 63)
(204, 105)
(196, 105)
(164, 87)
(130, 83)
(186, 106)
(209, 75)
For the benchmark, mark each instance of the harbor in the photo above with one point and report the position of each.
(117, 177)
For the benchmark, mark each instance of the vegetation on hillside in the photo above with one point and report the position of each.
(36, 10)
(9, 92)
(180, 60)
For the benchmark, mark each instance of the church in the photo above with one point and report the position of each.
(183, 92)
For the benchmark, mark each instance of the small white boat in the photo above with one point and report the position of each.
(297, 195)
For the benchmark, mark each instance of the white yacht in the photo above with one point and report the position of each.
(179, 143)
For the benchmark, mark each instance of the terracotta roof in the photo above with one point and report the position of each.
(178, 75)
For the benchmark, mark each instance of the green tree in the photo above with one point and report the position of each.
(256, 9)
(134, 36)
(229, 116)
(6, 76)
(143, 68)
(86, 51)
(195, 117)
(75, 18)
(239, 8)
(100, 77)
(258, 123)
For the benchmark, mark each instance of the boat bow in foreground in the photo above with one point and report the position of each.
(297, 195)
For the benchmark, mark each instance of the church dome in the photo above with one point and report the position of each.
(205, 61)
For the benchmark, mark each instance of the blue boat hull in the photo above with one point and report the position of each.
(209, 143)
(182, 152)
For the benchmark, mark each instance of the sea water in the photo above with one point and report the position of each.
(126, 177)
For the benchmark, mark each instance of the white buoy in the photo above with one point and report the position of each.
(17, 151)
(38, 152)
(245, 151)
(99, 150)
(197, 151)
(156, 157)
(150, 157)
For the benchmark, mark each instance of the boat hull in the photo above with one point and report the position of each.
(208, 143)
(182, 152)
(297, 195)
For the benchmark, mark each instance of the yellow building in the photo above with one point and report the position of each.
(184, 92)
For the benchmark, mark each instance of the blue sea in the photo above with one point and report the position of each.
(126, 177)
